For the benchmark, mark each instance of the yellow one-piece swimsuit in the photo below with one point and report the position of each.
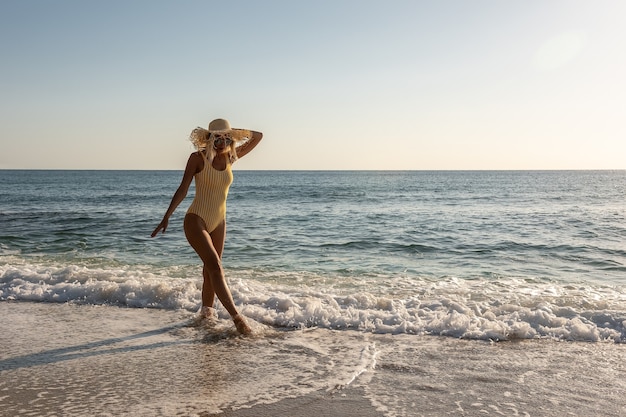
(211, 192)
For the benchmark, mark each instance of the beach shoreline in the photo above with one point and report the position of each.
(70, 360)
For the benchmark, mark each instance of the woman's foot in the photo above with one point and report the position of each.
(209, 313)
(241, 325)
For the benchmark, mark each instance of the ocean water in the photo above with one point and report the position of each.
(428, 293)
(477, 255)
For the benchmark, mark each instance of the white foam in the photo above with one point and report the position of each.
(476, 309)
(97, 286)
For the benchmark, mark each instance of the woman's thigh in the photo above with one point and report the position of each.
(200, 240)
(218, 237)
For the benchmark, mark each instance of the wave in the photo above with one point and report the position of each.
(390, 247)
(80, 284)
(498, 310)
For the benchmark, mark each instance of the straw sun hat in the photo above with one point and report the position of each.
(200, 136)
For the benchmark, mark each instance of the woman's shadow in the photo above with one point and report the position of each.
(90, 349)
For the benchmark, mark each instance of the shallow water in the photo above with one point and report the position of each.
(64, 359)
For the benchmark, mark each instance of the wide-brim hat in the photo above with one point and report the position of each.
(200, 136)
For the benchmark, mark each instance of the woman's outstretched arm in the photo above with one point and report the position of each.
(193, 163)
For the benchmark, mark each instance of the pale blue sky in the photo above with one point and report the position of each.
(332, 84)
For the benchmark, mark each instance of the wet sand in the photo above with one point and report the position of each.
(351, 402)
(59, 359)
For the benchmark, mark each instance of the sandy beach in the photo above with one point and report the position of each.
(61, 359)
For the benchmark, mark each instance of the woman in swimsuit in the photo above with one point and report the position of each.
(205, 221)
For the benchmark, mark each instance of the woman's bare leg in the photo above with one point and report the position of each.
(208, 294)
(209, 247)
(218, 237)
(200, 240)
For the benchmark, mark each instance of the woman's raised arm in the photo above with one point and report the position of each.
(250, 144)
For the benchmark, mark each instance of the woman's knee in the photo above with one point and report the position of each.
(211, 267)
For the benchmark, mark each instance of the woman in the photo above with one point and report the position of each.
(205, 221)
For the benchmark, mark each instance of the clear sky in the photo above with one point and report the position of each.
(336, 84)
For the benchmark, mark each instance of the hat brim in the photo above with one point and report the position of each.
(200, 136)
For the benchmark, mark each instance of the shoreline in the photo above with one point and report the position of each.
(75, 360)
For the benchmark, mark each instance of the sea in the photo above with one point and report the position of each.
(364, 274)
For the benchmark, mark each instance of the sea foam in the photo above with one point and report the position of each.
(499, 310)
